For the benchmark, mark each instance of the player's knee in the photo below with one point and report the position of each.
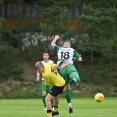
(67, 87)
(44, 93)
(47, 99)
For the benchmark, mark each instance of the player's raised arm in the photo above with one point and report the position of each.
(53, 43)
(77, 56)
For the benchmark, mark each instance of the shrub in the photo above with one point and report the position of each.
(10, 61)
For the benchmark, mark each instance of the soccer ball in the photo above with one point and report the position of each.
(99, 97)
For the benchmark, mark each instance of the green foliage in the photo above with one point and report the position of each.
(19, 77)
(98, 24)
(1, 19)
(18, 95)
(9, 36)
(57, 14)
(10, 61)
(24, 91)
(1, 1)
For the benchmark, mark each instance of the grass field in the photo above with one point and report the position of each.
(86, 107)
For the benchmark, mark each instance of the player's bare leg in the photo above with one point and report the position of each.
(55, 111)
(48, 99)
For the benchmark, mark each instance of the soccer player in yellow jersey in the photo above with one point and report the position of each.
(51, 76)
(45, 89)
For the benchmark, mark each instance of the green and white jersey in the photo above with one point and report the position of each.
(66, 54)
(49, 61)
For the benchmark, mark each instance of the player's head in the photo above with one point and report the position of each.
(66, 44)
(45, 56)
(39, 66)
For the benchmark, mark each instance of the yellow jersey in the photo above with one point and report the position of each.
(51, 76)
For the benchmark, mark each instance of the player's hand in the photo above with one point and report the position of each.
(57, 37)
(80, 59)
(38, 79)
(74, 59)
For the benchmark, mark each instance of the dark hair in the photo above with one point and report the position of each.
(45, 53)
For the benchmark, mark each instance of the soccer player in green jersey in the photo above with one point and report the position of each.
(66, 54)
(45, 89)
(51, 76)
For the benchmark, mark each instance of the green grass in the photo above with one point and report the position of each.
(83, 107)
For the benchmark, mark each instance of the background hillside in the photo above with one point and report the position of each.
(28, 87)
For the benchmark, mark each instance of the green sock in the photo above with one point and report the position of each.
(68, 96)
(43, 98)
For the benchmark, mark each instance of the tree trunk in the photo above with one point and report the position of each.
(91, 58)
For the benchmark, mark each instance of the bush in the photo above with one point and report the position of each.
(10, 61)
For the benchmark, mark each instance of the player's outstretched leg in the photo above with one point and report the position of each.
(76, 83)
(74, 76)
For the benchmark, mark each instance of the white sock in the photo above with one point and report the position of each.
(69, 105)
(55, 110)
(75, 80)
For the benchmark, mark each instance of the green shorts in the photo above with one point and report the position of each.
(45, 88)
(68, 72)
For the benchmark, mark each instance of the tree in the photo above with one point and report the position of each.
(99, 22)
(56, 12)
(10, 65)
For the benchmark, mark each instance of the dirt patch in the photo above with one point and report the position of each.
(11, 84)
(8, 85)
(30, 72)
